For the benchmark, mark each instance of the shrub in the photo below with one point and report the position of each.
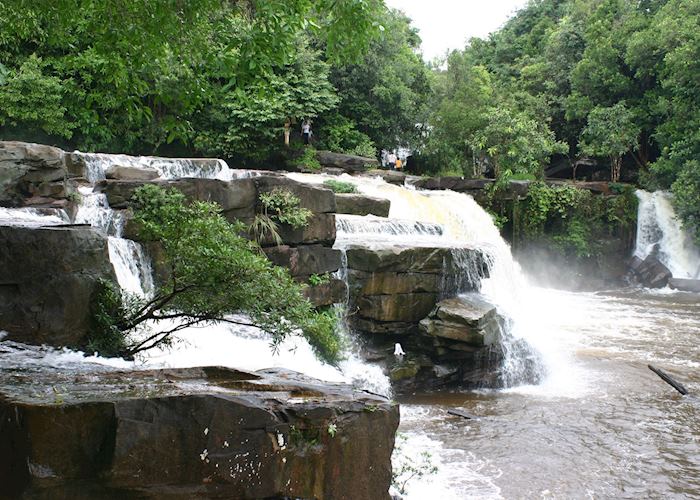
(340, 186)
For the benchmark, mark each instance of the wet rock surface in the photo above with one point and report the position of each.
(48, 276)
(650, 272)
(396, 297)
(358, 204)
(191, 433)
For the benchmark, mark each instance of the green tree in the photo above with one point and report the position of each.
(213, 273)
(611, 132)
(515, 143)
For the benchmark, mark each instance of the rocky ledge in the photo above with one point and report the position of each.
(191, 433)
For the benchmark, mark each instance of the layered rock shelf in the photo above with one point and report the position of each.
(396, 296)
(191, 433)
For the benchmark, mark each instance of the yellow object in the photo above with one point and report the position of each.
(399, 165)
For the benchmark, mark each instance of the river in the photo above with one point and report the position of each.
(601, 425)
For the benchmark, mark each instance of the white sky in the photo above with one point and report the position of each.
(448, 24)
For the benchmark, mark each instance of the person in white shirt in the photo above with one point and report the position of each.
(306, 131)
(391, 160)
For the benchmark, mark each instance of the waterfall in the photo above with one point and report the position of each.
(131, 265)
(456, 221)
(657, 224)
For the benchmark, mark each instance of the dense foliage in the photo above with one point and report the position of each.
(213, 273)
(207, 77)
(609, 80)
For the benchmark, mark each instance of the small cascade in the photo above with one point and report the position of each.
(658, 229)
(132, 266)
(379, 230)
(33, 217)
(96, 164)
(94, 210)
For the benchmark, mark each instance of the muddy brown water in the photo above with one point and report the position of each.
(601, 426)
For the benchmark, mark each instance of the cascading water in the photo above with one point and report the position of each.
(454, 220)
(658, 227)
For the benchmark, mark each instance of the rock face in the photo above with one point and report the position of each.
(394, 298)
(237, 198)
(303, 261)
(390, 176)
(650, 272)
(325, 294)
(347, 163)
(28, 170)
(193, 433)
(47, 279)
(358, 204)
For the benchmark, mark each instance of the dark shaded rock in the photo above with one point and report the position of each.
(685, 285)
(458, 184)
(651, 272)
(358, 204)
(315, 198)
(402, 307)
(348, 163)
(24, 164)
(131, 173)
(192, 433)
(320, 229)
(325, 294)
(305, 260)
(393, 282)
(381, 327)
(397, 259)
(47, 279)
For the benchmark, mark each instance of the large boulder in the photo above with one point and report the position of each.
(192, 433)
(467, 319)
(359, 204)
(303, 261)
(458, 184)
(390, 176)
(401, 307)
(650, 272)
(315, 198)
(48, 276)
(23, 165)
(397, 259)
(333, 291)
(320, 229)
(347, 163)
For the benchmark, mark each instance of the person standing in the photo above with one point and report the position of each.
(306, 131)
(391, 160)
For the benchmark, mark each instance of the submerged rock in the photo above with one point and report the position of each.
(192, 433)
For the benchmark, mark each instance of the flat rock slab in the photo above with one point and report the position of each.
(467, 319)
(359, 204)
(191, 433)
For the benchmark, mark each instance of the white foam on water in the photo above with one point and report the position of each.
(32, 217)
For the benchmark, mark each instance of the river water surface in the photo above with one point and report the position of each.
(600, 426)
